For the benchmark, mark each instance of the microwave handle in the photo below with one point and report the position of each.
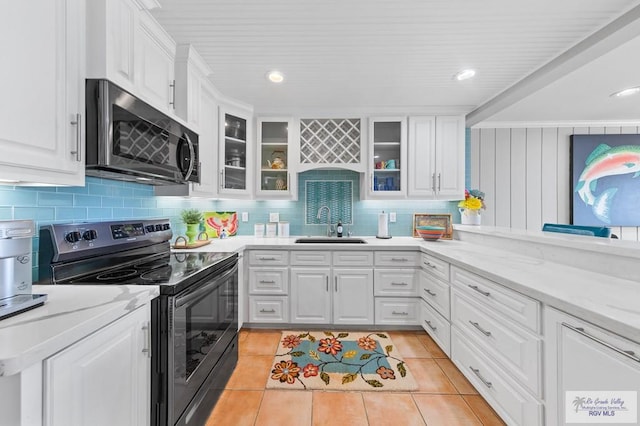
(192, 154)
(194, 294)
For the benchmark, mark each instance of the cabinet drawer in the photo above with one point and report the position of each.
(353, 258)
(517, 350)
(396, 282)
(391, 310)
(268, 309)
(268, 257)
(436, 293)
(437, 326)
(311, 258)
(405, 259)
(515, 306)
(435, 266)
(508, 398)
(268, 280)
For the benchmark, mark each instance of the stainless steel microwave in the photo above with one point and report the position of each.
(127, 139)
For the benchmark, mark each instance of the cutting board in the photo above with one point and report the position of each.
(182, 244)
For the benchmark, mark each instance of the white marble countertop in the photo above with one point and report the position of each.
(609, 302)
(69, 314)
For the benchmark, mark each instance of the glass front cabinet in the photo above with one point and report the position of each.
(387, 157)
(235, 153)
(276, 159)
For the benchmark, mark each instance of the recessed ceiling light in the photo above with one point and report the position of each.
(626, 92)
(465, 74)
(275, 76)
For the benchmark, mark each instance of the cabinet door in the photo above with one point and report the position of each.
(236, 154)
(310, 295)
(387, 158)
(276, 159)
(449, 157)
(207, 145)
(42, 102)
(353, 296)
(422, 163)
(104, 379)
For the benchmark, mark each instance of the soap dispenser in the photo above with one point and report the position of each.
(339, 228)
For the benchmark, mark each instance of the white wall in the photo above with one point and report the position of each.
(525, 174)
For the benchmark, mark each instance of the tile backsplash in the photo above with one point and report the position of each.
(103, 199)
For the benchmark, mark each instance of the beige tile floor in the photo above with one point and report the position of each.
(444, 396)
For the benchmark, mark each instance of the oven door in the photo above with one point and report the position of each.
(203, 320)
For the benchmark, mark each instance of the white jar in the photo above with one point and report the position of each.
(258, 230)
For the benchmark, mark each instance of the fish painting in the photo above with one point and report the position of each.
(606, 161)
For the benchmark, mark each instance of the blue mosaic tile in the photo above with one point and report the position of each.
(337, 195)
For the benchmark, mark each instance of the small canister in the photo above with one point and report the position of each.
(283, 229)
(258, 230)
(272, 228)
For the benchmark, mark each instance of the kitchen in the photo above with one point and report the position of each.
(96, 199)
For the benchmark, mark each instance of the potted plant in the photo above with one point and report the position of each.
(470, 207)
(191, 218)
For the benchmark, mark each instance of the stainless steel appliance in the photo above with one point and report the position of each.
(127, 139)
(194, 321)
(15, 268)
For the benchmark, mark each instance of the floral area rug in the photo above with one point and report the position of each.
(350, 361)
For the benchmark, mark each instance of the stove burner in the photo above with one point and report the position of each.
(117, 275)
(159, 274)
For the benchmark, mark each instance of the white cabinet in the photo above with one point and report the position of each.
(268, 286)
(353, 296)
(585, 361)
(104, 379)
(387, 158)
(436, 157)
(332, 142)
(435, 313)
(396, 282)
(127, 46)
(311, 295)
(276, 159)
(42, 102)
(235, 153)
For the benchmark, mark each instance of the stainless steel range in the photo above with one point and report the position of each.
(194, 321)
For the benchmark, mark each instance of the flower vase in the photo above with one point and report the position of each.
(469, 217)
(192, 232)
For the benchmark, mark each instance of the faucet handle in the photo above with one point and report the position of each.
(330, 230)
(349, 233)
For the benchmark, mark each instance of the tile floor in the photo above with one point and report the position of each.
(444, 396)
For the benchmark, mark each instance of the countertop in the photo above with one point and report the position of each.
(70, 313)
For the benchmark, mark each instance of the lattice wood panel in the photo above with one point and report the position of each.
(330, 140)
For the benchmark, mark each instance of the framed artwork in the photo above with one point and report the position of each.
(220, 224)
(604, 180)
(428, 219)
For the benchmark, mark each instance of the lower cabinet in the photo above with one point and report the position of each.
(585, 362)
(103, 379)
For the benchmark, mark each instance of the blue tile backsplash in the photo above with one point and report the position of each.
(336, 195)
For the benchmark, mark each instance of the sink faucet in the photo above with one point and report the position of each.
(329, 229)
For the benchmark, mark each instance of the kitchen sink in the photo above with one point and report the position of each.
(330, 240)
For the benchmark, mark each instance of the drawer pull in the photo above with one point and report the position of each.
(399, 259)
(477, 373)
(482, 330)
(400, 313)
(399, 284)
(431, 326)
(475, 287)
(266, 258)
(267, 282)
(268, 311)
(580, 330)
(430, 265)
(429, 292)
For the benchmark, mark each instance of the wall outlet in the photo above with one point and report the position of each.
(245, 216)
(274, 217)
(392, 217)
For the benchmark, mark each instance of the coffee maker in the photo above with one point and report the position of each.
(15, 268)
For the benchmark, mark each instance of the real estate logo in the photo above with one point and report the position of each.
(601, 407)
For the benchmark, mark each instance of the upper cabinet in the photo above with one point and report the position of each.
(436, 157)
(387, 158)
(331, 142)
(276, 159)
(42, 102)
(127, 46)
(235, 153)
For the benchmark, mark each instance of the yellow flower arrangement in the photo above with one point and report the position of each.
(473, 200)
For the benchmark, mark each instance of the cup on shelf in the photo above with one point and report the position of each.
(380, 165)
(390, 164)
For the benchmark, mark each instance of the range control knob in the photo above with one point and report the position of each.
(90, 235)
(149, 228)
(158, 227)
(73, 237)
(166, 227)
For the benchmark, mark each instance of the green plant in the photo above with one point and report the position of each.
(191, 216)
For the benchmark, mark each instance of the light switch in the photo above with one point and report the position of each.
(392, 217)
(245, 216)
(274, 217)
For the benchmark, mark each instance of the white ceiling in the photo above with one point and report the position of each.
(383, 55)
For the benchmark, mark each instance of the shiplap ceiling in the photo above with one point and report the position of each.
(384, 55)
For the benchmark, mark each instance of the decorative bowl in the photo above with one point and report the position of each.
(430, 233)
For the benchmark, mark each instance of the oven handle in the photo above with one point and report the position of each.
(194, 294)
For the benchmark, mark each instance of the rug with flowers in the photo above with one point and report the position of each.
(339, 361)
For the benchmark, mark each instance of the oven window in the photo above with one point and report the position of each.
(137, 139)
